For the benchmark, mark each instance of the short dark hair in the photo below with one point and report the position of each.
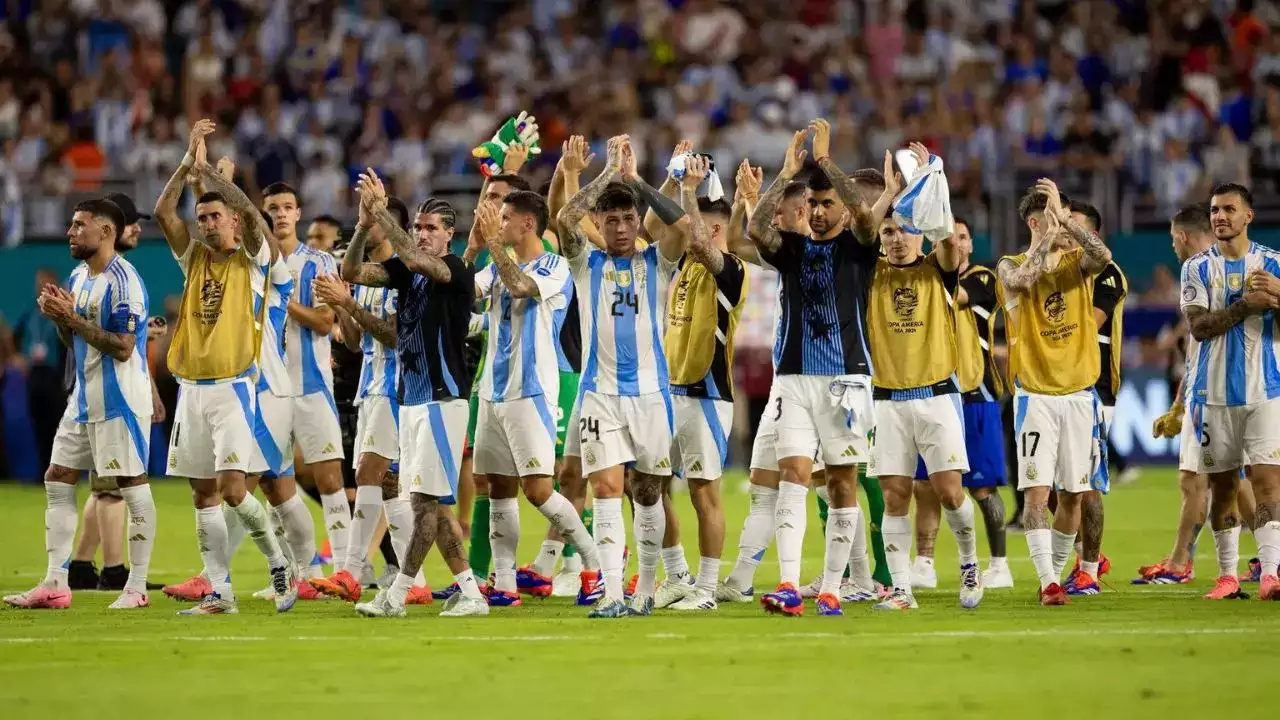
(436, 206)
(515, 181)
(1234, 189)
(868, 176)
(266, 217)
(794, 189)
(1035, 201)
(103, 208)
(400, 210)
(1090, 212)
(714, 207)
(281, 188)
(616, 196)
(819, 182)
(962, 220)
(209, 197)
(328, 220)
(527, 201)
(1194, 218)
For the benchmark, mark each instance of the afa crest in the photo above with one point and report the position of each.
(1235, 281)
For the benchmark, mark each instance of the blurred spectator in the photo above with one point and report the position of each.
(42, 354)
(1176, 179)
(1164, 288)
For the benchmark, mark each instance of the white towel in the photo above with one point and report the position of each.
(853, 393)
(924, 205)
(715, 190)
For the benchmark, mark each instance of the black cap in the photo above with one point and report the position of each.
(131, 214)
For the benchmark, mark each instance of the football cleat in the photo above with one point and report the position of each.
(1255, 571)
(532, 583)
(381, 606)
(266, 593)
(850, 593)
(461, 605)
(812, 590)
(672, 590)
(696, 600)
(1145, 571)
(1053, 595)
(590, 587)
(504, 598)
(641, 605)
(829, 605)
(190, 590)
(419, 595)
(41, 597)
(286, 588)
(306, 592)
(610, 610)
(728, 593)
(1269, 587)
(212, 604)
(923, 573)
(1082, 583)
(996, 578)
(897, 599)
(130, 600)
(1104, 564)
(630, 589)
(1164, 575)
(970, 586)
(341, 584)
(784, 600)
(446, 593)
(82, 575)
(1226, 588)
(566, 583)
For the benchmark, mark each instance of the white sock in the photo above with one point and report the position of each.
(859, 563)
(141, 534)
(211, 533)
(897, 543)
(504, 538)
(650, 525)
(1040, 546)
(1090, 568)
(1227, 543)
(399, 589)
(467, 584)
(299, 534)
(254, 518)
(560, 513)
(789, 520)
(277, 529)
(708, 574)
(1268, 537)
(961, 522)
(60, 518)
(363, 522)
(400, 526)
(757, 530)
(1061, 545)
(548, 554)
(611, 540)
(235, 530)
(337, 523)
(674, 562)
(842, 525)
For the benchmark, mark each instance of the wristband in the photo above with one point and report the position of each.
(188, 161)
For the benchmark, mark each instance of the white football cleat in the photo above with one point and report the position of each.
(463, 606)
(850, 593)
(970, 586)
(673, 590)
(696, 600)
(997, 578)
(728, 593)
(266, 593)
(284, 588)
(812, 589)
(130, 600)
(923, 573)
(566, 583)
(381, 606)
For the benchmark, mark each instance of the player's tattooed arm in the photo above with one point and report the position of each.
(1096, 253)
(760, 229)
(332, 291)
(700, 247)
(349, 331)
(253, 226)
(1020, 278)
(58, 305)
(354, 269)
(1207, 324)
(374, 193)
(746, 194)
(573, 241)
(654, 227)
(382, 330)
(516, 281)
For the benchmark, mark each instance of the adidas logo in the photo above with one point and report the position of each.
(606, 541)
(328, 448)
(138, 538)
(786, 526)
(533, 464)
(232, 458)
(664, 463)
(648, 543)
(842, 539)
(392, 528)
(696, 466)
(891, 548)
(359, 514)
(113, 465)
(951, 459)
(338, 526)
(849, 452)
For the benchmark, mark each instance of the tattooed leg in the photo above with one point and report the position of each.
(1091, 519)
(449, 540)
(1191, 517)
(992, 507)
(424, 532)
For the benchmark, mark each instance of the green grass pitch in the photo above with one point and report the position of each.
(1131, 652)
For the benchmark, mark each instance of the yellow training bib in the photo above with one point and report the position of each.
(217, 334)
(1052, 333)
(911, 325)
(702, 318)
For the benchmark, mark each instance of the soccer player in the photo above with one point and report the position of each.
(1110, 288)
(624, 391)
(323, 233)
(369, 313)
(1228, 296)
(981, 387)
(102, 316)
(434, 293)
(1047, 293)
(702, 316)
(528, 292)
(214, 356)
(822, 365)
(918, 408)
(316, 432)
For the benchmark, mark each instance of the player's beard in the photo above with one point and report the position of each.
(80, 252)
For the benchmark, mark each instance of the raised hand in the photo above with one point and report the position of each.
(628, 160)
(892, 178)
(821, 130)
(577, 155)
(517, 155)
(489, 221)
(682, 147)
(1053, 198)
(371, 191)
(921, 154)
(796, 154)
(196, 139)
(332, 291)
(227, 169)
(613, 153)
(695, 171)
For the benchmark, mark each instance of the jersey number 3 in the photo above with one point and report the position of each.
(623, 300)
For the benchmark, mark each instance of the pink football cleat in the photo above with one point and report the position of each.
(130, 600)
(41, 597)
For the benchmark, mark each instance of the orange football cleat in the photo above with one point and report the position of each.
(419, 595)
(341, 584)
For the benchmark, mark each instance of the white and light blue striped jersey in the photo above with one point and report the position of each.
(378, 371)
(307, 351)
(1238, 367)
(273, 369)
(623, 307)
(524, 333)
(116, 301)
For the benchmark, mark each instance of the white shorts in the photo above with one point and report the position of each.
(118, 447)
(315, 427)
(809, 417)
(1055, 440)
(907, 430)
(701, 441)
(378, 427)
(572, 438)
(764, 449)
(1230, 437)
(273, 431)
(432, 436)
(516, 438)
(617, 429)
(213, 429)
